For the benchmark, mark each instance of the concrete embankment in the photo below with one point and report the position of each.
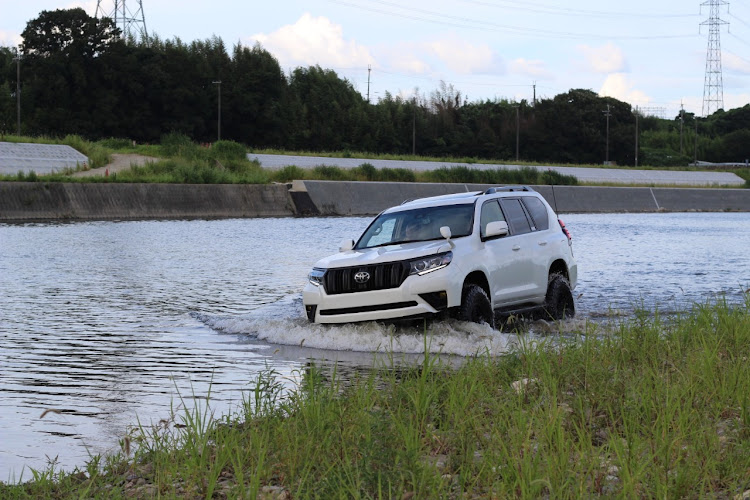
(24, 201)
(28, 201)
(368, 198)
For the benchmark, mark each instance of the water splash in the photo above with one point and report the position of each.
(284, 323)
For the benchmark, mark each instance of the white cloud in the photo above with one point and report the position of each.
(605, 59)
(8, 39)
(735, 63)
(732, 101)
(88, 6)
(463, 57)
(620, 87)
(530, 67)
(314, 40)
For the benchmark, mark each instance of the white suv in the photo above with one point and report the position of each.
(466, 255)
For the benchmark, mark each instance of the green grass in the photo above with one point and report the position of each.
(654, 408)
(225, 162)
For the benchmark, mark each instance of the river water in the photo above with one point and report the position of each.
(111, 323)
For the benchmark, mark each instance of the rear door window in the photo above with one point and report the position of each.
(516, 215)
(538, 212)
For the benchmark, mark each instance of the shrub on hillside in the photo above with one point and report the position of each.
(228, 150)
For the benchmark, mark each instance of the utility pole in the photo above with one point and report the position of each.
(606, 154)
(218, 127)
(636, 136)
(534, 101)
(518, 128)
(18, 89)
(682, 120)
(695, 152)
(369, 68)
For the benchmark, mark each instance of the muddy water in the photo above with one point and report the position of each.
(108, 323)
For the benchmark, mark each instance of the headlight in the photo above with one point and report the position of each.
(316, 276)
(426, 265)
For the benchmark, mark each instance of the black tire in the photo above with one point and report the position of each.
(558, 303)
(476, 306)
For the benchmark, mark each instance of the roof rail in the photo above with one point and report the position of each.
(504, 189)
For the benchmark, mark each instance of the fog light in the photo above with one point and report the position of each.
(438, 300)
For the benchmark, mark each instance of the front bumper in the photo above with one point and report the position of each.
(417, 296)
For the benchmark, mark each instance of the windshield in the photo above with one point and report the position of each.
(422, 224)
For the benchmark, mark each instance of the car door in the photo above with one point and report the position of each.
(504, 263)
(546, 243)
(524, 247)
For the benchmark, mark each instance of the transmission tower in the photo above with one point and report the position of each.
(132, 22)
(713, 86)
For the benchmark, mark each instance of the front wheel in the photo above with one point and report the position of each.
(559, 303)
(476, 306)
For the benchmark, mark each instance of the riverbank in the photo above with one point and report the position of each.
(649, 409)
(35, 201)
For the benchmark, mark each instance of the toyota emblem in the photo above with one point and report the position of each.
(362, 277)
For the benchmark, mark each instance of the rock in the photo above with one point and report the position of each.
(274, 493)
(522, 385)
(743, 496)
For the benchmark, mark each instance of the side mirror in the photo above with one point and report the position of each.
(496, 228)
(445, 232)
(346, 245)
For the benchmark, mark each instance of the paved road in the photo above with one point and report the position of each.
(595, 175)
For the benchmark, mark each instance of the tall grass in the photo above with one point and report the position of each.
(655, 408)
(454, 174)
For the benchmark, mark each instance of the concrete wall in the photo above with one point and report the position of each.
(27, 201)
(21, 201)
(368, 198)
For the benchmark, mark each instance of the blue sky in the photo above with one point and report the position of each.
(645, 53)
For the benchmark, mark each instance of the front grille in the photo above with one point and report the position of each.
(382, 277)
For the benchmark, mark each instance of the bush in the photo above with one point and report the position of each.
(663, 157)
(556, 178)
(329, 173)
(228, 150)
(397, 175)
(176, 144)
(288, 173)
(366, 171)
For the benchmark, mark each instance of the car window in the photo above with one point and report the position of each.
(420, 224)
(517, 219)
(490, 213)
(538, 212)
(382, 233)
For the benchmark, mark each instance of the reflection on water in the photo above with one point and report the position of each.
(109, 322)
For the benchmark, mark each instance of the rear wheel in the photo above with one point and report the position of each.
(559, 302)
(476, 306)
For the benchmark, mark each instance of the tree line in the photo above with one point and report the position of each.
(79, 77)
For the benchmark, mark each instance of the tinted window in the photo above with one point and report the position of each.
(538, 212)
(421, 224)
(490, 213)
(517, 220)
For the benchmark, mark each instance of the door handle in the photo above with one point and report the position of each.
(542, 243)
(516, 248)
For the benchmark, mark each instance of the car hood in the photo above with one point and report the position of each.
(378, 255)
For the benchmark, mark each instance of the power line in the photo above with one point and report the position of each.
(555, 10)
(448, 20)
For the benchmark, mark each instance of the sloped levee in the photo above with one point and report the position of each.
(30, 201)
(27, 201)
(368, 198)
